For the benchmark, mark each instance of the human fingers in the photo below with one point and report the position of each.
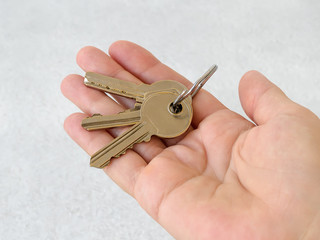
(262, 100)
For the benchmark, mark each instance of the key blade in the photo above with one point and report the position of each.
(128, 117)
(129, 89)
(114, 86)
(138, 133)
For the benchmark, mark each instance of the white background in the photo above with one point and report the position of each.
(47, 189)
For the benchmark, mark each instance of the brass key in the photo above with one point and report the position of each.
(130, 89)
(163, 108)
(156, 118)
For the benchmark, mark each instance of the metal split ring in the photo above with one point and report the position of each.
(196, 86)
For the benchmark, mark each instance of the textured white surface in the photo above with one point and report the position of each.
(47, 190)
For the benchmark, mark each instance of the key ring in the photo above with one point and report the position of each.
(196, 87)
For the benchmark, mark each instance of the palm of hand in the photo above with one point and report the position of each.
(225, 178)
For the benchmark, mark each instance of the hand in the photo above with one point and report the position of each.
(226, 178)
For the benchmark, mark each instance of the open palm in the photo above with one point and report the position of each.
(226, 178)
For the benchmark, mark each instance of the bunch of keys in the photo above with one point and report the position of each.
(163, 109)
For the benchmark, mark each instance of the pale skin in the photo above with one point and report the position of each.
(227, 177)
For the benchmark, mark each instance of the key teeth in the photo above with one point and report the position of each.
(131, 146)
(92, 164)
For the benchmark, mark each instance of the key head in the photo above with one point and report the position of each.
(156, 111)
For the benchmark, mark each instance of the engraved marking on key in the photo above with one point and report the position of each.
(129, 89)
(155, 119)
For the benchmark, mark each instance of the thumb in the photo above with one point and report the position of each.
(261, 99)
